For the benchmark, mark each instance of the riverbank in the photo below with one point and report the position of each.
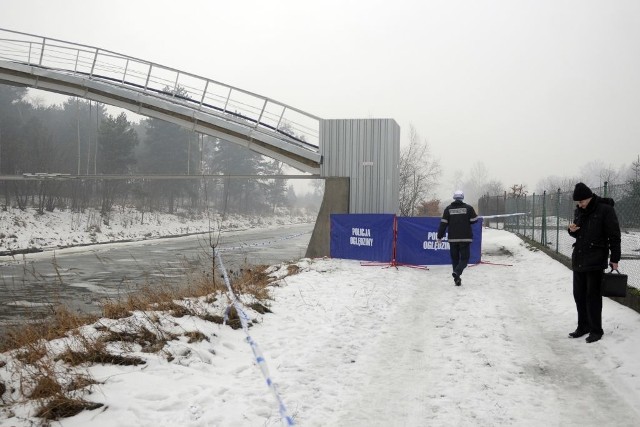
(28, 231)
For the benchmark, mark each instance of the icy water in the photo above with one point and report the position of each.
(81, 278)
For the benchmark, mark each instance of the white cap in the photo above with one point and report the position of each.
(458, 195)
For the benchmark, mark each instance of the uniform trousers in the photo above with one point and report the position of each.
(459, 256)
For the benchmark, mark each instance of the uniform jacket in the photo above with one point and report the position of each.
(598, 235)
(458, 217)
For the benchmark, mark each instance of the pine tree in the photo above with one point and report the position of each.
(117, 141)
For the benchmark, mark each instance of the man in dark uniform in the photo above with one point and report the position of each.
(458, 217)
(597, 232)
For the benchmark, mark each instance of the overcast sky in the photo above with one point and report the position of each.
(529, 88)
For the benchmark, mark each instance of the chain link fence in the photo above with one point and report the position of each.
(544, 218)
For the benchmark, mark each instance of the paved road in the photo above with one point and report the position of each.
(81, 277)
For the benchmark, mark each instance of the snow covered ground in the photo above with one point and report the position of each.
(20, 230)
(355, 345)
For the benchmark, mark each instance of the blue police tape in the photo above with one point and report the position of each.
(260, 360)
(504, 215)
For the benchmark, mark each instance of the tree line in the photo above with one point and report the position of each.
(80, 137)
(421, 172)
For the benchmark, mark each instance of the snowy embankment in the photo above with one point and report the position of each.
(355, 345)
(28, 231)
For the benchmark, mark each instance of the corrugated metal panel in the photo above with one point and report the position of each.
(368, 152)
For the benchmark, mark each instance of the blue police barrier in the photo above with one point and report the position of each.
(416, 242)
(367, 237)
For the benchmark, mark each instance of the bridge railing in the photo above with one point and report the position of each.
(206, 95)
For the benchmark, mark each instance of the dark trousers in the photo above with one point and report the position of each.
(459, 256)
(588, 296)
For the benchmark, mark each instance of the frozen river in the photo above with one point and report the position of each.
(81, 277)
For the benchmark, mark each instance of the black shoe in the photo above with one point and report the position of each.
(456, 279)
(578, 333)
(593, 337)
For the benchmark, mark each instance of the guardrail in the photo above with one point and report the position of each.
(200, 93)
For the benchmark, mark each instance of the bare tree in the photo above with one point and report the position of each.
(494, 187)
(474, 186)
(479, 184)
(419, 173)
(517, 190)
(458, 179)
(554, 182)
(634, 172)
(429, 208)
(596, 173)
(317, 186)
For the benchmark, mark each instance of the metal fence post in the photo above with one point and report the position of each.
(517, 217)
(524, 220)
(44, 42)
(504, 209)
(557, 220)
(543, 230)
(533, 216)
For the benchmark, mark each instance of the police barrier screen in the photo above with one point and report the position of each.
(416, 242)
(387, 238)
(367, 237)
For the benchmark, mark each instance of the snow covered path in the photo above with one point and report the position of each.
(417, 350)
(352, 345)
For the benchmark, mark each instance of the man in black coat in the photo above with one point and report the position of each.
(458, 217)
(597, 232)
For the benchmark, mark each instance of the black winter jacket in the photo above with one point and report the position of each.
(458, 217)
(598, 235)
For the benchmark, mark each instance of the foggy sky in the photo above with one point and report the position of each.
(529, 88)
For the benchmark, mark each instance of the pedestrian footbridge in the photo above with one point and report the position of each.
(358, 158)
(203, 105)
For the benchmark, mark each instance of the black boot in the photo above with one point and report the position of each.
(456, 279)
(593, 337)
(578, 333)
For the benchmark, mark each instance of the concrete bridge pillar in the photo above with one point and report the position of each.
(335, 200)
